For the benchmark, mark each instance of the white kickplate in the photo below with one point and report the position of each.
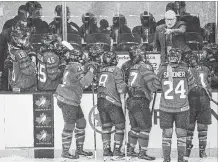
(23, 159)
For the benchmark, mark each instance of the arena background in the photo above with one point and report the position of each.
(205, 9)
(17, 113)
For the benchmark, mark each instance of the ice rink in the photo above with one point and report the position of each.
(23, 159)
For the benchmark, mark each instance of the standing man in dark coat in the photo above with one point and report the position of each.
(170, 35)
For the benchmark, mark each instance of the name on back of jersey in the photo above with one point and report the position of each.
(179, 74)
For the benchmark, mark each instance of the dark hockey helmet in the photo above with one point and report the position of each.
(75, 55)
(136, 54)
(174, 55)
(110, 58)
(34, 8)
(96, 50)
(20, 35)
(58, 12)
(209, 53)
(49, 38)
(146, 18)
(193, 60)
(119, 19)
(89, 18)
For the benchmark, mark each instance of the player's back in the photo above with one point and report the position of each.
(23, 74)
(107, 83)
(174, 97)
(139, 77)
(48, 71)
(70, 90)
(201, 76)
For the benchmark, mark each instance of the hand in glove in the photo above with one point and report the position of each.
(91, 66)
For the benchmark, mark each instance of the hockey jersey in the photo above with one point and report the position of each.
(143, 79)
(23, 75)
(49, 74)
(174, 96)
(73, 83)
(202, 78)
(111, 84)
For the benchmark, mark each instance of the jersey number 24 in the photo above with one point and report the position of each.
(180, 89)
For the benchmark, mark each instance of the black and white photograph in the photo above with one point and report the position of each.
(108, 81)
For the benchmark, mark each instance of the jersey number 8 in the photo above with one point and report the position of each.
(102, 80)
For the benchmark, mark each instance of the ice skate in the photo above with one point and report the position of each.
(202, 154)
(117, 154)
(81, 152)
(107, 154)
(69, 156)
(143, 155)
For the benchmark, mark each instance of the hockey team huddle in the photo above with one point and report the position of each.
(183, 79)
(185, 89)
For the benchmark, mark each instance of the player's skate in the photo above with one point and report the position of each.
(80, 151)
(107, 154)
(143, 155)
(167, 159)
(66, 154)
(181, 158)
(188, 150)
(202, 153)
(131, 152)
(117, 154)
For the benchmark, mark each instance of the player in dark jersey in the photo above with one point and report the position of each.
(176, 80)
(142, 82)
(111, 103)
(23, 75)
(49, 73)
(69, 95)
(199, 102)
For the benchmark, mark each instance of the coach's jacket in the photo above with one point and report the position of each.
(178, 39)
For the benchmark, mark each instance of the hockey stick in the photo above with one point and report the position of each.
(152, 109)
(95, 146)
(126, 135)
(214, 101)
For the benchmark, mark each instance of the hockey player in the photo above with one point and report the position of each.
(147, 28)
(49, 61)
(23, 74)
(142, 82)
(55, 26)
(111, 103)
(199, 102)
(119, 26)
(69, 95)
(176, 81)
(89, 25)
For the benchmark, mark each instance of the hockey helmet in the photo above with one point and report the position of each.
(96, 50)
(58, 12)
(136, 54)
(110, 58)
(174, 55)
(89, 18)
(146, 18)
(75, 55)
(20, 35)
(119, 19)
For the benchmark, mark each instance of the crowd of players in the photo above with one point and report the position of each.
(184, 78)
